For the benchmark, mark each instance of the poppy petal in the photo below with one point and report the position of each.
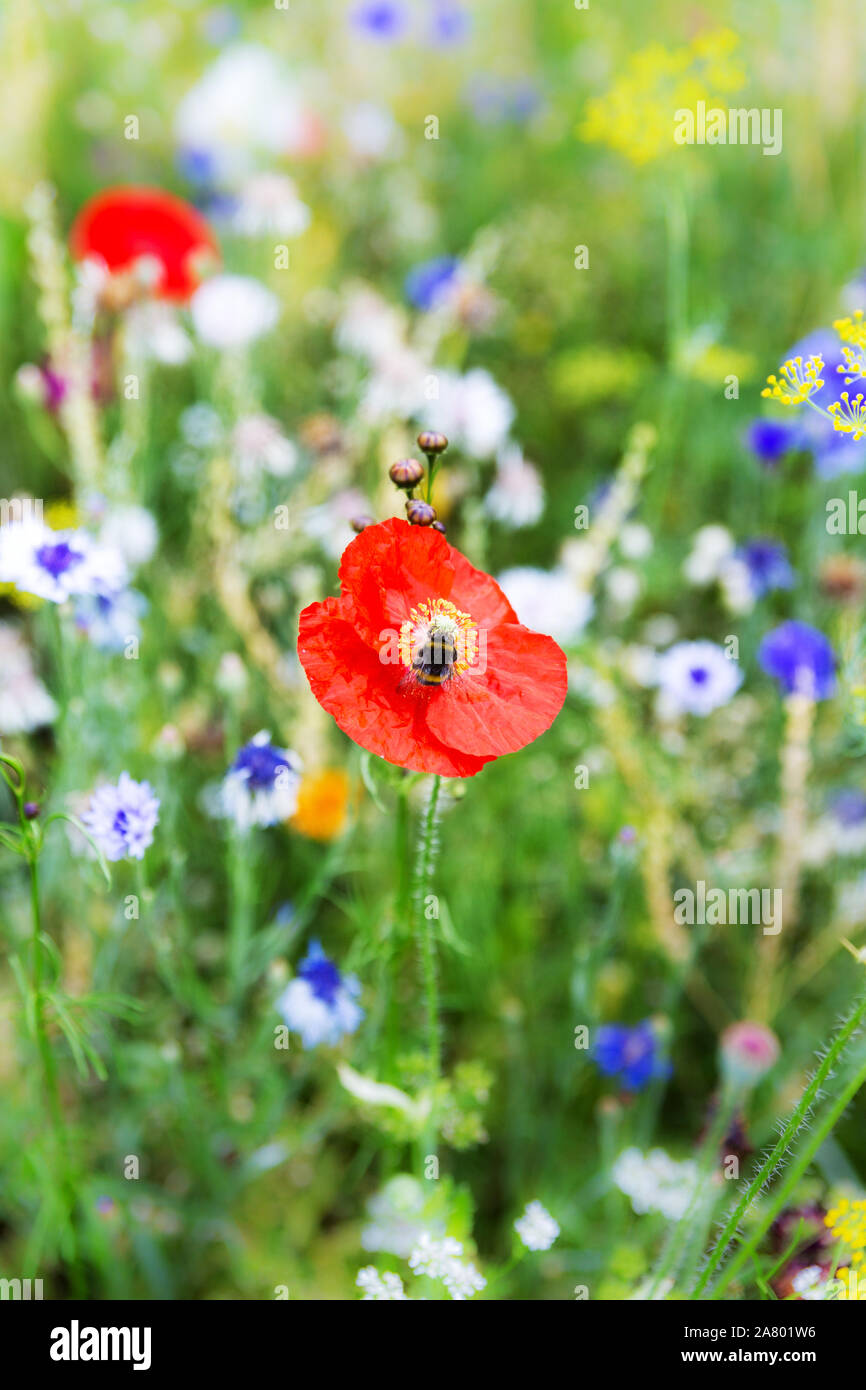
(516, 699)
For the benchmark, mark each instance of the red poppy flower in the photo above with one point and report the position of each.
(423, 660)
(125, 225)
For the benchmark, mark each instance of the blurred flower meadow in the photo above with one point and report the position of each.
(432, 665)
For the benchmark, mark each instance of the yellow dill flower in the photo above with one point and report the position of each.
(847, 1221)
(323, 803)
(852, 330)
(636, 115)
(854, 367)
(798, 381)
(849, 416)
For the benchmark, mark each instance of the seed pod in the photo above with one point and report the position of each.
(429, 442)
(420, 513)
(406, 473)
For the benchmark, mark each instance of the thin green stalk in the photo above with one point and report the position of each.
(768, 1167)
(783, 1192)
(424, 928)
(242, 903)
(682, 1236)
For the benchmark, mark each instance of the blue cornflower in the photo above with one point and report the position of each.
(449, 23)
(767, 564)
(122, 818)
(319, 1003)
(428, 284)
(770, 440)
(632, 1054)
(110, 620)
(848, 807)
(261, 786)
(801, 659)
(381, 19)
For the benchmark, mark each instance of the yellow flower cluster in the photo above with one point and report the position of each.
(849, 416)
(847, 1221)
(636, 117)
(849, 1288)
(796, 381)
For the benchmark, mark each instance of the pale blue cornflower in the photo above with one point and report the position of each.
(110, 621)
(320, 1003)
(261, 786)
(122, 817)
(536, 1227)
(697, 677)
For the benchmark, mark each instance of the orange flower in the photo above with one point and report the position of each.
(323, 802)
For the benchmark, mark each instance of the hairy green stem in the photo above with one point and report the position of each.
(424, 927)
(784, 1191)
(771, 1162)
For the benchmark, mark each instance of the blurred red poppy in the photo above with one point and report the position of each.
(121, 226)
(422, 659)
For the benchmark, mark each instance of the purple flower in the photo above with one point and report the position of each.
(632, 1054)
(122, 818)
(770, 440)
(428, 284)
(767, 563)
(449, 23)
(261, 786)
(381, 19)
(848, 807)
(801, 659)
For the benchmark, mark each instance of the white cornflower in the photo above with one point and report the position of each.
(697, 677)
(536, 1227)
(55, 565)
(547, 601)
(24, 702)
(258, 444)
(232, 311)
(472, 410)
(268, 205)
(517, 495)
(381, 1288)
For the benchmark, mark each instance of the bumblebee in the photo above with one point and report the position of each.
(433, 661)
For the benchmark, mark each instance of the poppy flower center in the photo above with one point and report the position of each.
(438, 641)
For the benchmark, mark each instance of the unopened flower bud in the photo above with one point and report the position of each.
(360, 523)
(748, 1051)
(406, 473)
(420, 513)
(31, 809)
(440, 527)
(429, 442)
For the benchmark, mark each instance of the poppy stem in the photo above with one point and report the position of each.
(426, 913)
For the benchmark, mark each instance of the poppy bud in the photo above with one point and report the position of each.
(440, 527)
(360, 523)
(748, 1051)
(406, 473)
(420, 513)
(429, 442)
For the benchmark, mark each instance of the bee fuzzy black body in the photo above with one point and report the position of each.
(433, 662)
